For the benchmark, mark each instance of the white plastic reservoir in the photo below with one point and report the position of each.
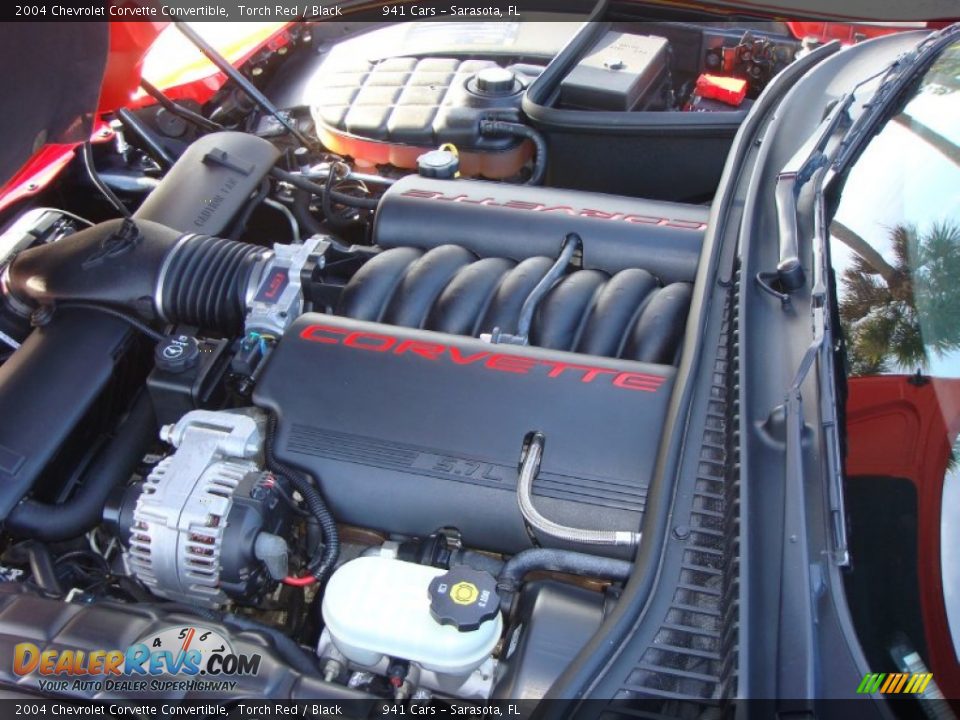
(376, 606)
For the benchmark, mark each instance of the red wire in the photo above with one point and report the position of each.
(299, 581)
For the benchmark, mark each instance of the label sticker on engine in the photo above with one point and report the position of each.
(273, 285)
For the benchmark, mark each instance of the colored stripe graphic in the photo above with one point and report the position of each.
(894, 683)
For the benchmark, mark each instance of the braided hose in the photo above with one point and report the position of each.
(529, 468)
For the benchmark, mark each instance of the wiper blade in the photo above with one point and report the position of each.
(895, 78)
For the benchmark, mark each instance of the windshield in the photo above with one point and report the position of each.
(895, 250)
(896, 236)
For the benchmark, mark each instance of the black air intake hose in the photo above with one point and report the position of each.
(113, 466)
(206, 281)
(140, 266)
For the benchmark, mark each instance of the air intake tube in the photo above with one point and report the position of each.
(144, 268)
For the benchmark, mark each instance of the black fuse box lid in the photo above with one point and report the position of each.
(618, 73)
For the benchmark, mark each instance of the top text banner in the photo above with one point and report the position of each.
(292, 10)
(461, 10)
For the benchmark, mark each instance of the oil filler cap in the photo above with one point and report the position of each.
(464, 597)
(177, 353)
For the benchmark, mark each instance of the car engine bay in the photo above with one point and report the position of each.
(375, 382)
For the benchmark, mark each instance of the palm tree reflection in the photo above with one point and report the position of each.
(896, 316)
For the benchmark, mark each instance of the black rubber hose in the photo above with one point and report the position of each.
(207, 280)
(87, 154)
(478, 561)
(309, 225)
(113, 465)
(240, 222)
(314, 501)
(179, 110)
(332, 217)
(298, 181)
(42, 569)
(502, 127)
(563, 561)
(572, 244)
(153, 144)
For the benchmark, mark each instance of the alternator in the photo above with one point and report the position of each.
(199, 531)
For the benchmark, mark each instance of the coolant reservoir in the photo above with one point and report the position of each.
(392, 111)
(380, 606)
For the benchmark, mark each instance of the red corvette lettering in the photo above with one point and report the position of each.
(522, 205)
(601, 214)
(498, 362)
(315, 333)
(637, 381)
(511, 363)
(589, 372)
(461, 359)
(370, 341)
(430, 351)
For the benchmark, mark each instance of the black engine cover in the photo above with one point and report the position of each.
(411, 430)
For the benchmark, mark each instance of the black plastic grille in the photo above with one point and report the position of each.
(691, 663)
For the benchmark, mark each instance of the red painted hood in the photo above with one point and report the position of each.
(63, 77)
(129, 43)
(58, 78)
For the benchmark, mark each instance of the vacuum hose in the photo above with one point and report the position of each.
(562, 561)
(145, 268)
(502, 127)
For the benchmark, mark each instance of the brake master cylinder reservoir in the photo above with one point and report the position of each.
(447, 622)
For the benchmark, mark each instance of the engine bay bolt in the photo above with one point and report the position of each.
(681, 532)
(614, 64)
(332, 669)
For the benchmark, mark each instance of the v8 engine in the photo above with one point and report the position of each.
(374, 384)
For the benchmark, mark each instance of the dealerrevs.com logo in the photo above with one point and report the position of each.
(177, 658)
